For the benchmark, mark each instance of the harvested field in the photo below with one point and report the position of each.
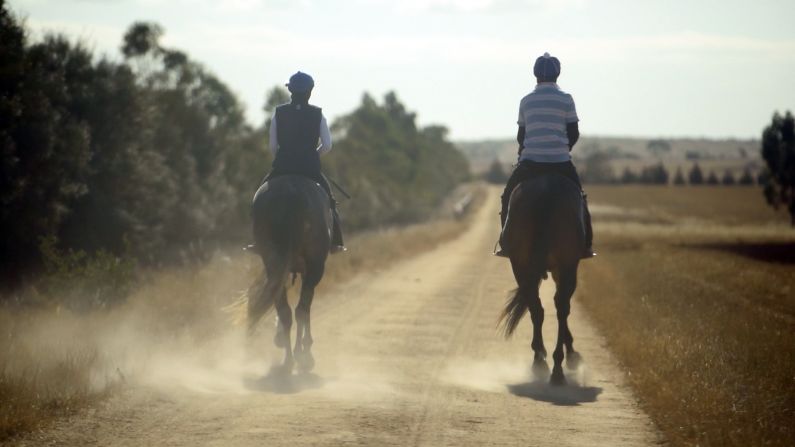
(695, 292)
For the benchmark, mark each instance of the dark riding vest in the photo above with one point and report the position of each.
(297, 132)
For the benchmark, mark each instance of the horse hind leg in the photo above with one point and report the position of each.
(304, 341)
(282, 337)
(566, 282)
(540, 367)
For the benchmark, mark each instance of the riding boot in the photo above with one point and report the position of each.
(588, 253)
(336, 231)
(502, 252)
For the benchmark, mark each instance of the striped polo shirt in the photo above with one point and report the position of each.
(544, 114)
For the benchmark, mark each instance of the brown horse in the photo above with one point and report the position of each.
(292, 222)
(545, 231)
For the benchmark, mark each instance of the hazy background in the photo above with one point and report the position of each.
(638, 68)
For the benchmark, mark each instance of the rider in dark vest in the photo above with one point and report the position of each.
(295, 130)
(547, 133)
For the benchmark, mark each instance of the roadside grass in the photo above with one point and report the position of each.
(701, 316)
(55, 361)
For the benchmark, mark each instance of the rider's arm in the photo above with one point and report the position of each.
(273, 142)
(572, 129)
(573, 132)
(325, 137)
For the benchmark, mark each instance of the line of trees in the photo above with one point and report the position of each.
(152, 155)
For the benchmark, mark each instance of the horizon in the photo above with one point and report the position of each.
(438, 55)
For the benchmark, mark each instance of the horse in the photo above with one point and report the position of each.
(544, 229)
(291, 217)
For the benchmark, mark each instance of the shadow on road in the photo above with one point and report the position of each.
(566, 395)
(773, 252)
(278, 382)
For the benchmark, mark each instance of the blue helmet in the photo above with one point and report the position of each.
(547, 68)
(300, 83)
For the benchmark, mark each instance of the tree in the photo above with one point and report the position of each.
(629, 176)
(496, 173)
(679, 178)
(778, 151)
(654, 175)
(728, 178)
(658, 147)
(695, 176)
(597, 168)
(746, 178)
(712, 179)
(44, 147)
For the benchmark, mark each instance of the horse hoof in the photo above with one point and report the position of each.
(557, 379)
(306, 362)
(540, 369)
(573, 360)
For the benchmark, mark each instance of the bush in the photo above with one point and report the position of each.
(82, 281)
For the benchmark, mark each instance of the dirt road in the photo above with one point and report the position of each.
(405, 356)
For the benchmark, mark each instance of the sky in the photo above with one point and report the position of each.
(676, 68)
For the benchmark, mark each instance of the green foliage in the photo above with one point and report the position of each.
(778, 151)
(396, 172)
(81, 281)
(151, 158)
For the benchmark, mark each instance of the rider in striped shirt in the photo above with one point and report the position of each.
(547, 132)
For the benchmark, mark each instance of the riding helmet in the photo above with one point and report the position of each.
(300, 82)
(546, 68)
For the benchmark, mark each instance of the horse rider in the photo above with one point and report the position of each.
(295, 130)
(547, 133)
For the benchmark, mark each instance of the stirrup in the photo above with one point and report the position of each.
(337, 249)
(588, 254)
(251, 248)
(502, 253)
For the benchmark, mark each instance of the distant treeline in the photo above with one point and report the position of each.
(656, 174)
(152, 156)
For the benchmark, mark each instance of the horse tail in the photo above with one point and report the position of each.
(541, 230)
(283, 227)
(286, 222)
(515, 308)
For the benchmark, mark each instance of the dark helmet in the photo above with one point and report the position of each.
(300, 83)
(547, 68)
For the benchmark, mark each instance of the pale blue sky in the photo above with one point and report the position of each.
(639, 68)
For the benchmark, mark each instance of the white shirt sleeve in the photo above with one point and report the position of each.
(325, 137)
(273, 141)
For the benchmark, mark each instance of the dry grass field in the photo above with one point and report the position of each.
(53, 361)
(694, 289)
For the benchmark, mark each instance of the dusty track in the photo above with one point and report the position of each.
(405, 356)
